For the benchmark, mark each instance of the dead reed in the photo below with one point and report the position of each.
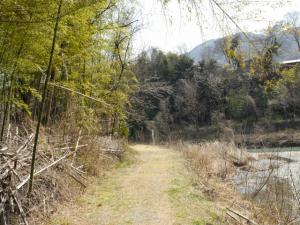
(272, 200)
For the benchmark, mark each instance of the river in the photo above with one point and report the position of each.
(272, 179)
(282, 163)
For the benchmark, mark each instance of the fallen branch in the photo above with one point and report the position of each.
(42, 170)
(78, 180)
(242, 216)
(75, 149)
(233, 217)
(26, 143)
(69, 147)
(20, 208)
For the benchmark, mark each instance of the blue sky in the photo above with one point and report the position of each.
(173, 29)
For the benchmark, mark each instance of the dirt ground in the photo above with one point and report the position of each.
(157, 189)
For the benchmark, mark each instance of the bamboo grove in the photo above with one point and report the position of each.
(65, 62)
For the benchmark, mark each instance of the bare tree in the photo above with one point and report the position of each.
(293, 23)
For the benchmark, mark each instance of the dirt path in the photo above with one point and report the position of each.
(156, 190)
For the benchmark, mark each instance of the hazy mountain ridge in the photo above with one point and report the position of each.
(212, 49)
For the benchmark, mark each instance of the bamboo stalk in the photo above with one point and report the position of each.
(44, 98)
(78, 93)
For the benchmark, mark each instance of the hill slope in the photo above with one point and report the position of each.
(212, 49)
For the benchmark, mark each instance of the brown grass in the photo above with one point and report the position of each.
(94, 159)
(216, 163)
(57, 186)
(214, 159)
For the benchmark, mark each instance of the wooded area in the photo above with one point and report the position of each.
(63, 69)
(66, 54)
(177, 96)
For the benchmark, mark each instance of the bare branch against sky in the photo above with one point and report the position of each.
(185, 25)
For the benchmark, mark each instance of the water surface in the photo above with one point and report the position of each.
(282, 163)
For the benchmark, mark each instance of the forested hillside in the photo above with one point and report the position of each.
(179, 98)
(286, 33)
(213, 49)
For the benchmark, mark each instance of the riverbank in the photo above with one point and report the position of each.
(260, 183)
(258, 135)
(283, 138)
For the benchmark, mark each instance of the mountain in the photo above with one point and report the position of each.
(212, 49)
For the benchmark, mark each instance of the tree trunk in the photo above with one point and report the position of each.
(48, 74)
(50, 98)
(36, 102)
(6, 115)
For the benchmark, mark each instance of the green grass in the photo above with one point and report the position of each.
(191, 206)
(199, 222)
(123, 164)
(172, 192)
(60, 222)
(196, 196)
(128, 159)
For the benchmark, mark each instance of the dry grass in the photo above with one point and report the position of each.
(98, 158)
(58, 184)
(214, 159)
(216, 164)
